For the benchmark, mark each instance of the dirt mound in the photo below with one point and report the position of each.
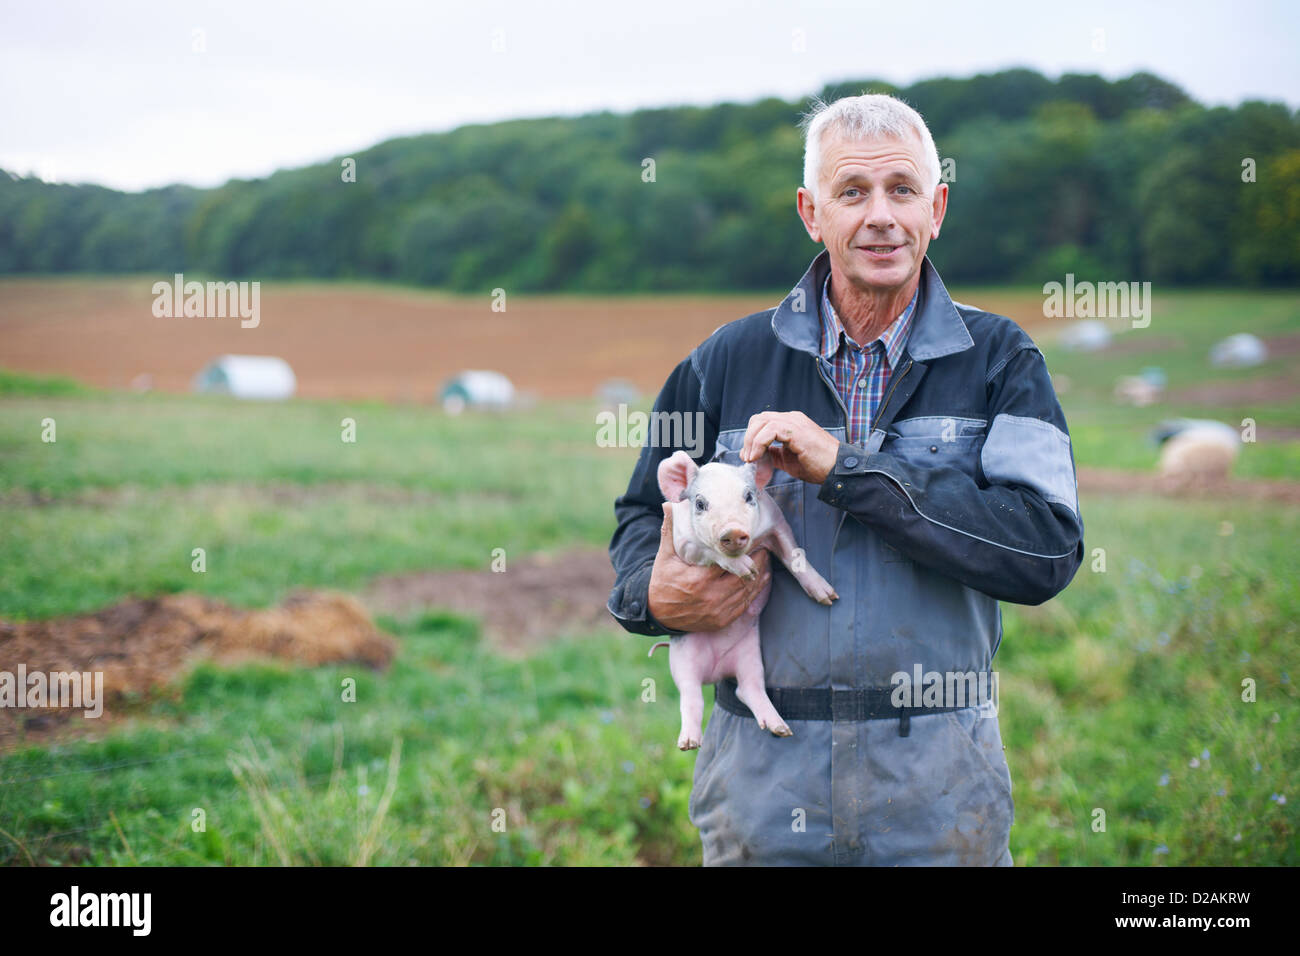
(1108, 481)
(141, 644)
(535, 598)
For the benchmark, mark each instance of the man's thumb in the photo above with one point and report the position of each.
(666, 532)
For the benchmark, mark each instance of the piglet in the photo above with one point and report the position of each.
(721, 514)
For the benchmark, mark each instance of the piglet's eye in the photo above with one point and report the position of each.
(749, 497)
(701, 504)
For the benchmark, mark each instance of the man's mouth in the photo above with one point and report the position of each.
(880, 252)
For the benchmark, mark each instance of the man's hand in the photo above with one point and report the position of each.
(807, 450)
(688, 597)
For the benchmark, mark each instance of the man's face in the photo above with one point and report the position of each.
(873, 212)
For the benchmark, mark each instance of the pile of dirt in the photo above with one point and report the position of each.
(1284, 343)
(141, 644)
(535, 598)
(1108, 481)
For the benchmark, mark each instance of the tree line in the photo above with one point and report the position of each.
(1110, 180)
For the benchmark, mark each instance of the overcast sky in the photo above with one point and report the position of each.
(140, 93)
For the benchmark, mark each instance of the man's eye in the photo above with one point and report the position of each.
(908, 188)
(851, 192)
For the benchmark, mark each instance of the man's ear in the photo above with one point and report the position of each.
(675, 474)
(807, 209)
(762, 470)
(938, 208)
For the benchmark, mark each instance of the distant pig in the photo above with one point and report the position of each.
(721, 514)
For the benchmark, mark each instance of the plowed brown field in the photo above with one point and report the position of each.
(356, 341)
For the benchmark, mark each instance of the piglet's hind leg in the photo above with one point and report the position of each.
(691, 691)
(752, 693)
(692, 718)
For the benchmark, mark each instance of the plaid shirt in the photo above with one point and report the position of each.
(859, 375)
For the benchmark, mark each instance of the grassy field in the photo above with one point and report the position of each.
(1184, 327)
(1123, 694)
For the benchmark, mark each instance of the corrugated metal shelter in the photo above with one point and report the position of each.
(477, 389)
(247, 376)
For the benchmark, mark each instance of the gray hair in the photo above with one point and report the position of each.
(870, 116)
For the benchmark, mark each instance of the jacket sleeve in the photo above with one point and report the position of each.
(639, 510)
(1016, 535)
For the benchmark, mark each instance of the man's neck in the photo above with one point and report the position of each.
(864, 314)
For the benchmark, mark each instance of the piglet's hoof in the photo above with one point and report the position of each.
(688, 743)
(823, 593)
(777, 730)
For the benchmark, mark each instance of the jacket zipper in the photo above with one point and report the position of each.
(889, 394)
(844, 408)
(834, 391)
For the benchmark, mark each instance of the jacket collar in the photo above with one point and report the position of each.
(937, 328)
(892, 340)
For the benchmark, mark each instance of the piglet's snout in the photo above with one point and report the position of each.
(734, 541)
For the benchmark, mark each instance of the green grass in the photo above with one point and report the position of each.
(1184, 327)
(1135, 671)
(276, 499)
(1125, 678)
(1110, 692)
(284, 771)
(14, 384)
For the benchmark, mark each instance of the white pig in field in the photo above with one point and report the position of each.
(1197, 448)
(721, 514)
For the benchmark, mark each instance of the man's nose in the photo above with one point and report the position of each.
(879, 214)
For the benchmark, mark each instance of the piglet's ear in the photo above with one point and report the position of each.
(675, 474)
(762, 470)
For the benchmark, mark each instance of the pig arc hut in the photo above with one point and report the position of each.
(476, 388)
(247, 376)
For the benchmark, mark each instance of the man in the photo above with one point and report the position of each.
(925, 468)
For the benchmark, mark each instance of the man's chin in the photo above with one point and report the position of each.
(883, 277)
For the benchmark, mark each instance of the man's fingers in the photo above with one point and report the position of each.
(753, 450)
(768, 427)
(766, 434)
(732, 596)
(756, 422)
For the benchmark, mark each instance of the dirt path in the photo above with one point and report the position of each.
(1106, 481)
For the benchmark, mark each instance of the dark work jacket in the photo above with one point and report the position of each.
(963, 495)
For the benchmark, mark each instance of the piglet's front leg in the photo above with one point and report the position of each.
(741, 567)
(780, 539)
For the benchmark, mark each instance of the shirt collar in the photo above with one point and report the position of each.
(893, 338)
